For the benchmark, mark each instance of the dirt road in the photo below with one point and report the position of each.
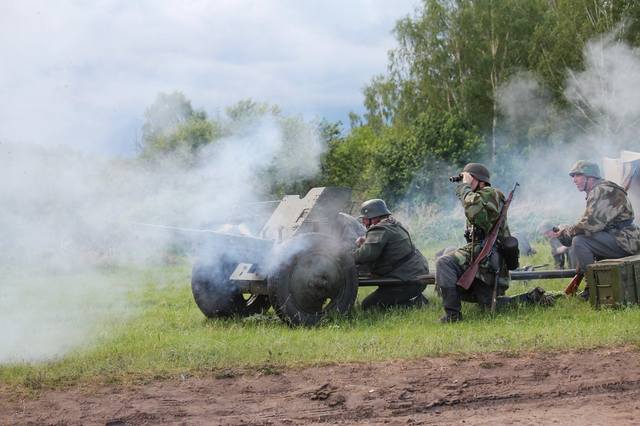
(593, 387)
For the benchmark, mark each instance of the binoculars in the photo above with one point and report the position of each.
(455, 178)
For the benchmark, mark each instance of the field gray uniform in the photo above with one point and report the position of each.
(389, 253)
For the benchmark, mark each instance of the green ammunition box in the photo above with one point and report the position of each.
(614, 282)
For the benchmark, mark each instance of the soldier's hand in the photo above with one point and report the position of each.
(565, 239)
(360, 241)
(466, 178)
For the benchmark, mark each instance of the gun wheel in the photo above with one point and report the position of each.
(314, 276)
(217, 296)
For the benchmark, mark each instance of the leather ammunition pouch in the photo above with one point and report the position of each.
(508, 248)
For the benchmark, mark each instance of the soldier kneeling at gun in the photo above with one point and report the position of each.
(483, 206)
(388, 251)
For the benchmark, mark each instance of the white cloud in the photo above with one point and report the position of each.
(83, 73)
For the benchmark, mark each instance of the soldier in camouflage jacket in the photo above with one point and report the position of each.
(387, 250)
(482, 205)
(606, 229)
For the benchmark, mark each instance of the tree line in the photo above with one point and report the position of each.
(437, 106)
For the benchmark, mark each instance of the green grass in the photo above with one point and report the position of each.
(165, 335)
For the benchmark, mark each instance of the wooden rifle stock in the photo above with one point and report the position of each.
(469, 275)
(572, 288)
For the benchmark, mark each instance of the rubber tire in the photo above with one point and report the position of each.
(218, 297)
(294, 278)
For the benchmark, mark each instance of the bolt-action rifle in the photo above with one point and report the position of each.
(469, 275)
(572, 288)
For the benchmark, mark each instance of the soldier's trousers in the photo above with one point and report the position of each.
(597, 246)
(401, 295)
(563, 260)
(447, 273)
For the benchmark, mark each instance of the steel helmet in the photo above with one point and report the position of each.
(587, 168)
(374, 208)
(478, 171)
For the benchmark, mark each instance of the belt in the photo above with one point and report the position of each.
(620, 225)
(402, 260)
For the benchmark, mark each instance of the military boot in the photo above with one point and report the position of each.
(585, 294)
(452, 305)
(419, 301)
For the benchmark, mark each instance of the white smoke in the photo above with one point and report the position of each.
(68, 216)
(602, 118)
(607, 95)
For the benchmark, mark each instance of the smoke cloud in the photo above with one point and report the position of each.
(69, 216)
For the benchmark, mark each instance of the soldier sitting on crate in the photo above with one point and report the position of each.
(606, 229)
(482, 205)
(388, 251)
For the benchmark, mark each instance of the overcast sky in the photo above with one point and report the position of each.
(82, 73)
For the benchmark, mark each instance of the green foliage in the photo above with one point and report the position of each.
(432, 226)
(399, 160)
(456, 56)
(417, 160)
(349, 161)
(295, 167)
(380, 99)
(172, 126)
(166, 113)
(567, 25)
(246, 113)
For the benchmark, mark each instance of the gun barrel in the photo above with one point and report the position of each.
(366, 280)
(542, 275)
(242, 248)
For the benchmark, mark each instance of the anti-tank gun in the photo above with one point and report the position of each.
(300, 262)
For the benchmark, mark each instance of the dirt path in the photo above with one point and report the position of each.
(594, 387)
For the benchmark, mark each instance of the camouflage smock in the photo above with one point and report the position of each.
(387, 243)
(482, 209)
(607, 209)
